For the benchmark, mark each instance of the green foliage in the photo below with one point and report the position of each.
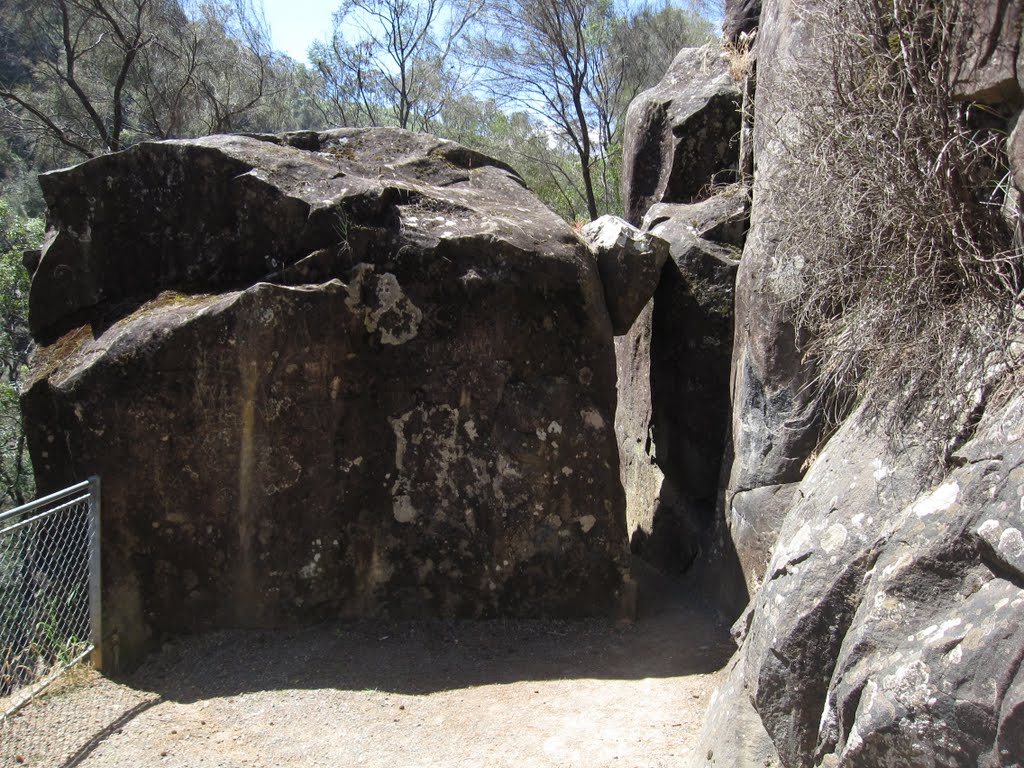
(575, 65)
(17, 234)
(84, 77)
(56, 645)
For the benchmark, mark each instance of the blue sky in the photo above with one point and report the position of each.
(294, 24)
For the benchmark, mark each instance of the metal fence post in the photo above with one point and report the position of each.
(95, 591)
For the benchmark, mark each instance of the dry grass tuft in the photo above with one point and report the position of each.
(898, 226)
(740, 55)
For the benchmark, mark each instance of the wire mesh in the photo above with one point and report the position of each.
(48, 595)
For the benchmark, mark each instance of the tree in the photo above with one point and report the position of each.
(17, 234)
(400, 70)
(577, 64)
(85, 77)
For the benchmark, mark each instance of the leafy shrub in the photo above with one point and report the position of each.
(17, 234)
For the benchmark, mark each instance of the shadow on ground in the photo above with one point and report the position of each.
(674, 635)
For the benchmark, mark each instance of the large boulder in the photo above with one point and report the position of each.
(348, 373)
(673, 366)
(682, 135)
(884, 624)
(629, 262)
(887, 631)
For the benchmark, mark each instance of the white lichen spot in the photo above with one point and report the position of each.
(555, 428)
(988, 528)
(390, 311)
(956, 655)
(470, 429)
(1011, 544)
(587, 522)
(833, 538)
(335, 387)
(567, 471)
(541, 435)
(939, 500)
(857, 519)
(881, 471)
(592, 418)
(310, 569)
(403, 509)
(794, 547)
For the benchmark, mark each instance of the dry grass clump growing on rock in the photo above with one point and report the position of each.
(740, 55)
(899, 231)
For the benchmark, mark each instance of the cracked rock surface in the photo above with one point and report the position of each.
(359, 372)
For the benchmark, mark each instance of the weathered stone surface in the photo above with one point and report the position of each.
(733, 736)
(888, 632)
(723, 218)
(775, 421)
(367, 373)
(754, 519)
(741, 17)
(629, 262)
(673, 388)
(988, 71)
(682, 135)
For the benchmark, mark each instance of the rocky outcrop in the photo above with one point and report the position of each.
(886, 586)
(887, 631)
(682, 136)
(629, 262)
(775, 422)
(672, 422)
(348, 373)
(673, 381)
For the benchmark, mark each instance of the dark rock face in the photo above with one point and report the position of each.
(733, 735)
(754, 520)
(673, 385)
(349, 373)
(681, 136)
(741, 17)
(681, 147)
(887, 632)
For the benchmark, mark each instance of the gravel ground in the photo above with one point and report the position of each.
(384, 695)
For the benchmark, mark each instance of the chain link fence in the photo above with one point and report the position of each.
(49, 593)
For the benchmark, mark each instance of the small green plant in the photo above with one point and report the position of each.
(59, 647)
(341, 225)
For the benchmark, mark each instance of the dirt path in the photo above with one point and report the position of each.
(500, 693)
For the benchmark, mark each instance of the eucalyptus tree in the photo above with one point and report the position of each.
(576, 65)
(83, 77)
(393, 61)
